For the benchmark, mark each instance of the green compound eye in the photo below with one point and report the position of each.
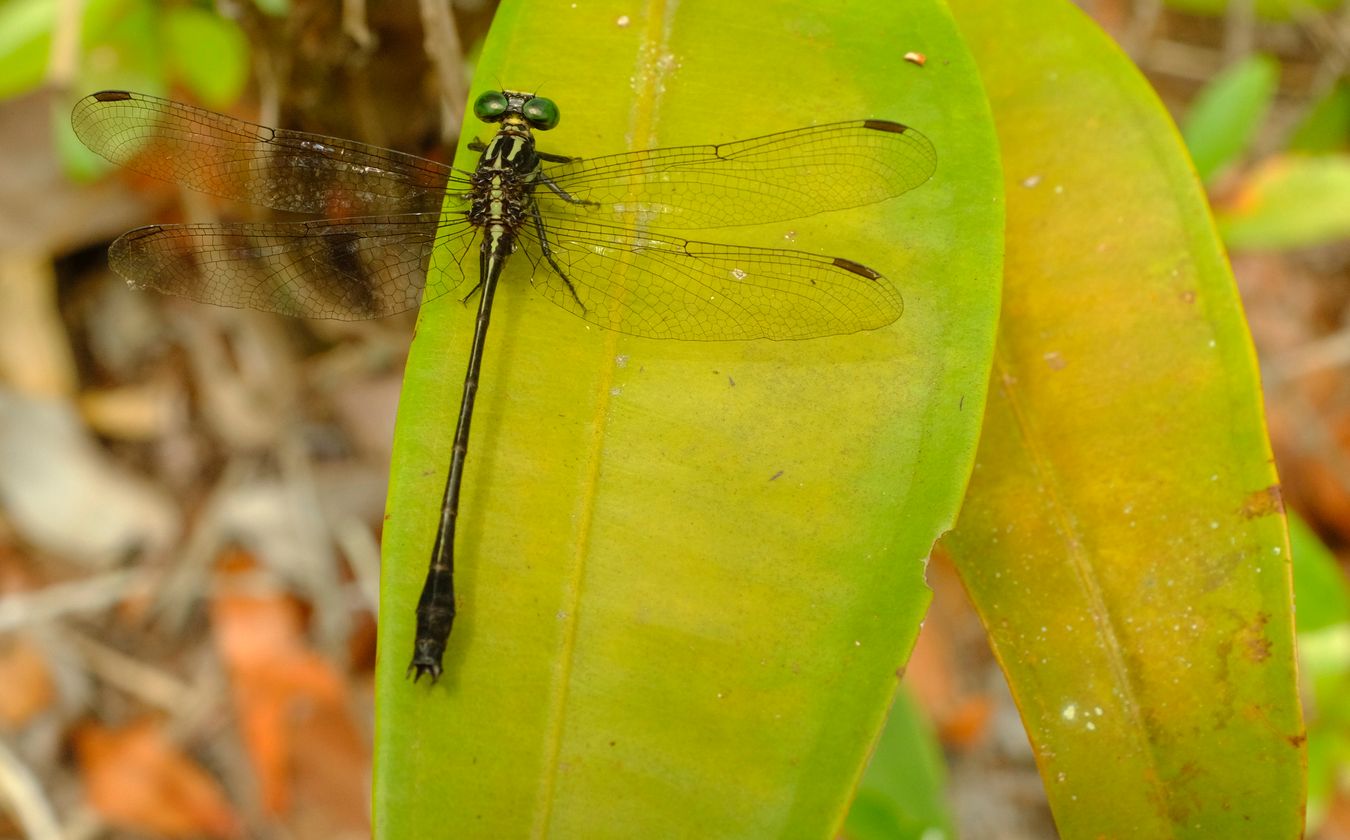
(541, 113)
(490, 106)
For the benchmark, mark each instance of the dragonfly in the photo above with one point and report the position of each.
(390, 231)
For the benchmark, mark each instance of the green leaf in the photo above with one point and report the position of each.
(1328, 699)
(25, 44)
(1227, 113)
(208, 53)
(123, 45)
(1323, 619)
(1122, 538)
(1320, 589)
(1268, 9)
(1326, 128)
(26, 30)
(901, 796)
(1291, 202)
(122, 51)
(690, 571)
(26, 33)
(274, 8)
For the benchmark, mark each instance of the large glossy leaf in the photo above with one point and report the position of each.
(690, 571)
(1123, 538)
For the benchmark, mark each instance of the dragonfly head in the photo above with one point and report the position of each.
(516, 109)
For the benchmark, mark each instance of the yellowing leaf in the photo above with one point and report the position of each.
(1123, 537)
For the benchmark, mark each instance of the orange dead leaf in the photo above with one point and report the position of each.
(967, 724)
(282, 689)
(27, 682)
(138, 780)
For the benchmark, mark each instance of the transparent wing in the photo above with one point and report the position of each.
(350, 270)
(659, 286)
(781, 176)
(284, 170)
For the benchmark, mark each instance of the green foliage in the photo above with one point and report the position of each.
(1286, 201)
(1323, 601)
(1326, 128)
(902, 794)
(274, 8)
(1291, 202)
(25, 44)
(207, 53)
(1268, 9)
(1226, 115)
(111, 38)
(1319, 583)
(136, 44)
(142, 45)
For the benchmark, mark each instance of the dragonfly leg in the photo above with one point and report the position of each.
(551, 158)
(564, 194)
(465, 300)
(548, 254)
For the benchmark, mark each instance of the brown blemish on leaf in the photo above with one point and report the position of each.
(1297, 741)
(1254, 640)
(1180, 808)
(1259, 649)
(1263, 502)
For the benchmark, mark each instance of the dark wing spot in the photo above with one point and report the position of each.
(857, 268)
(112, 96)
(886, 125)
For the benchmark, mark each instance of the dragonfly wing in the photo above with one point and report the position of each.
(659, 286)
(781, 176)
(271, 167)
(352, 270)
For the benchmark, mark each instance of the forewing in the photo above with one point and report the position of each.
(659, 286)
(284, 170)
(353, 270)
(765, 179)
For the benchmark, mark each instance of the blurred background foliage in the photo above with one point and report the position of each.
(188, 440)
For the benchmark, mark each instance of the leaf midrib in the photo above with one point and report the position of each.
(642, 120)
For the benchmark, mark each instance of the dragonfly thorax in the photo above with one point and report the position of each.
(502, 185)
(511, 149)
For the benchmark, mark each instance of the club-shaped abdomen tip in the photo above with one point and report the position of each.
(434, 622)
(426, 661)
(416, 671)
